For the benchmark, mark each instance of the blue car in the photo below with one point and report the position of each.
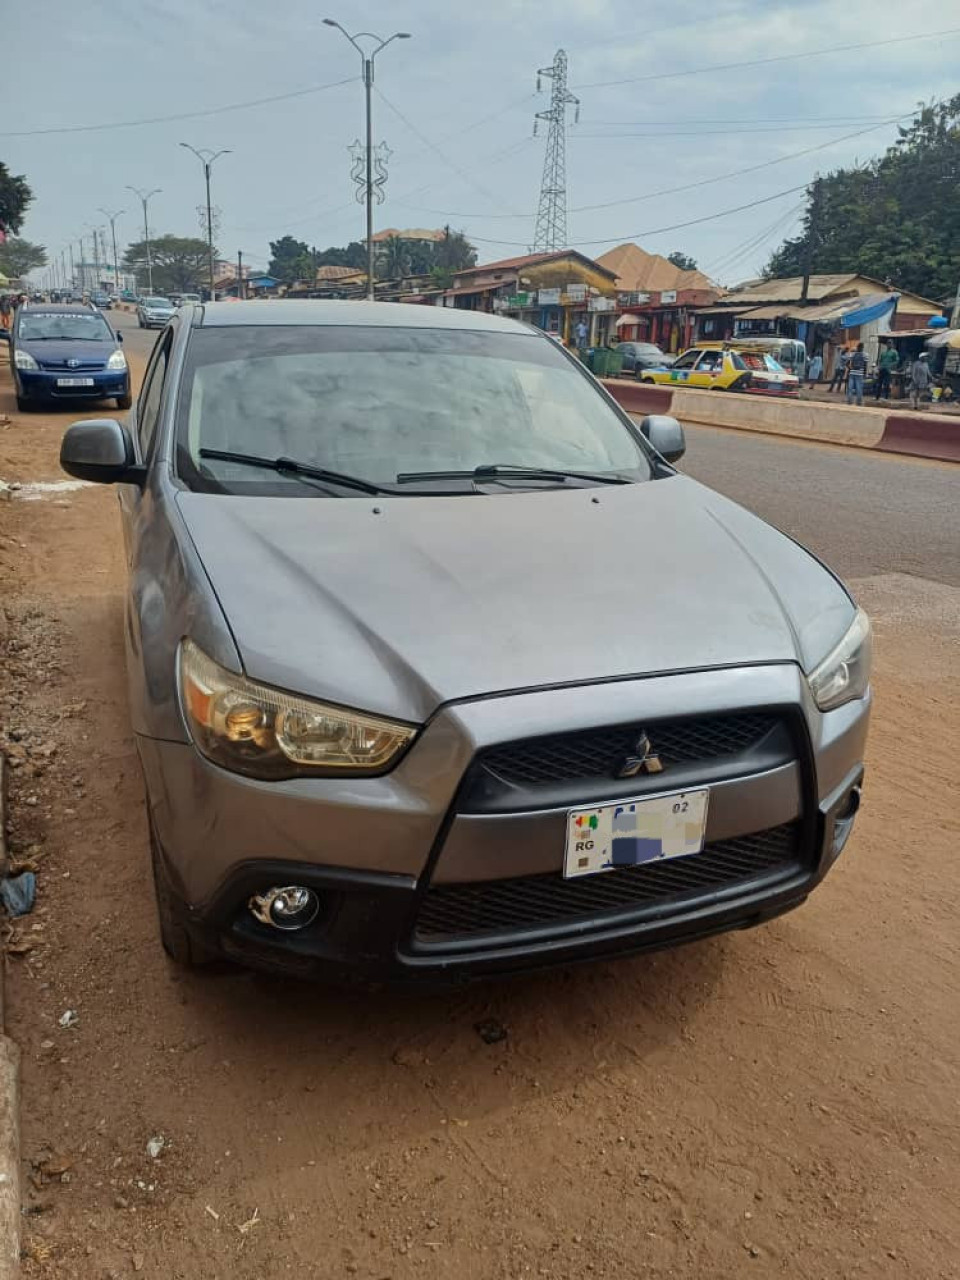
(60, 352)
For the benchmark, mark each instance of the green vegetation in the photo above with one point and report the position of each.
(682, 260)
(896, 218)
(15, 195)
(18, 257)
(180, 263)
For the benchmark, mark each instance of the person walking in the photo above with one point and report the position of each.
(581, 332)
(6, 312)
(856, 375)
(887, 365)
(815, 369)
(839, 370)
(920, 380)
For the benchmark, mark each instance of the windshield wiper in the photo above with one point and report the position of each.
(493, 470)
(290, 466)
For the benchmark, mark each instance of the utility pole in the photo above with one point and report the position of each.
(70, 284)
(955, 314)
(113, 232)
(813, 235)
(240, 289)
(144, 197)
(551, 232)
(96, 259)
(367, 61)
(207, 159)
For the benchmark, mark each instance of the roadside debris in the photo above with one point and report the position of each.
(18, 893)
(490, 1031)
(155, 1146)
(250, 1223)
(69, 1018)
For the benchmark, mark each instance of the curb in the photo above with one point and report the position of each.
(9, 1101)
(919, 435)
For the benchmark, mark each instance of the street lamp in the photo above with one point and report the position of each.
(144, 197)
(367, 60)
(112, 217)
(207, 159)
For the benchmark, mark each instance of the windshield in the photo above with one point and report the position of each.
(162, 303)
(83, 326)
(380, 402)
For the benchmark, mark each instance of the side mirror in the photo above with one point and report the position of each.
(666, 436)
(100, 449)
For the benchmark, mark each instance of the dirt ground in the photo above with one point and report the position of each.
(777, 1103)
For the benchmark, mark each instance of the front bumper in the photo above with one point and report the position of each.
(44, 384)
(392, 856)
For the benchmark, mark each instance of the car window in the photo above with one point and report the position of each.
(379, 402)
(687, 360)
(72, 326)
(711, 362)
(148, 406)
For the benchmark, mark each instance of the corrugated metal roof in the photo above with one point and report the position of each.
(642, 272)
(790, 290)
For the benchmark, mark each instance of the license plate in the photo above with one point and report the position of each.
(631, 832)
(74, 382)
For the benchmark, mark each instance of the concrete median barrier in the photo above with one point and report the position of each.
(922, 435)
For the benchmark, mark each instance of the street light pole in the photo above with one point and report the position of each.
(367, 61)
(207, 159)
(113, 232)
(144, 197)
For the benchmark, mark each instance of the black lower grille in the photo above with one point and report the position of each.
(600, 753)
(450, 912)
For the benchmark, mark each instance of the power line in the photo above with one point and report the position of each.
(180, 115)
(656, 231)
(764, 62)
(753, 242)
(701, 133)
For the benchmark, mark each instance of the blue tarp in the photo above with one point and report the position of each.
(868, 309)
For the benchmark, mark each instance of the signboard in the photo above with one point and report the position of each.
(517, 301)
(633, 299)
(602, 304)
(549, 297)
(576, 292)
(668, 295)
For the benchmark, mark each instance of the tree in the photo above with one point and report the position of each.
(18, 257)
(895, 218)
(15, 195)
(181, 264)
(394, 258)
(289, 259)
(454, 252)
(682, 260)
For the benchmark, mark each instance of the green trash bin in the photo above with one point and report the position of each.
(614, 363)
(601, 362)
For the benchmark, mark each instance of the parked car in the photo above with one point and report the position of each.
(767, 376)
(153, 313)
(438, 667)
(186, 299)
(638, 356)
(64, 352)
(102, 301)
(713, 368)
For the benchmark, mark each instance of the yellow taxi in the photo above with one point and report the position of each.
(714, 368)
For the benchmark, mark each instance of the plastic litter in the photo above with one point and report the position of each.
(18, 893)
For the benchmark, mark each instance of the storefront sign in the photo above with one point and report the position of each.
(668, 295)
(517, 301)
(633, 299)
(601, 304)
(576, 292)
(549, 297)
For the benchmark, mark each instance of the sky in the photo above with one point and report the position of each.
(660, 109)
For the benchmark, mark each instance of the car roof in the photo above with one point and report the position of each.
(395, 315)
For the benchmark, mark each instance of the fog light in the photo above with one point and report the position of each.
(290, 907)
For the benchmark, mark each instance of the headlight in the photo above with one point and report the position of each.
(250, 728)
(117, 360)
(845, 672)
(24, 360)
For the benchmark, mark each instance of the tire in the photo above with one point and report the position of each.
(649, 382)
(180, 944)
(124, 402)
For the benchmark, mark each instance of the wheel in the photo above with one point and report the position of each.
(649, 381)
(124, 402)
(139, 323)
(179, 943)
(23, 404)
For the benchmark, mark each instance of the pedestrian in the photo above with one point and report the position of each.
(920, 380)
(6, 312)
(581, 332)
(840, 370)
(887, 365)
(856, 375)
(815, 369)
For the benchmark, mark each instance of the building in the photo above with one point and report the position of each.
(838, 310)
(412, 237)
(656, 301)
(555, 291)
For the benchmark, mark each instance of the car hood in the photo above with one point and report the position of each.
(56, 350)
(396, 605)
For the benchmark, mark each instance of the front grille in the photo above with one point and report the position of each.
(451, 912)
(600, 753)
(82, 366)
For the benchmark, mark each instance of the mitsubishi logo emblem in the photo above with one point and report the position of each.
(643, 759)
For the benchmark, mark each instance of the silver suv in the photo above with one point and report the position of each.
(437, 665)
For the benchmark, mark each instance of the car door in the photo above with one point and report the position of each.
(709, 368)
(629, 353)
(682, 370)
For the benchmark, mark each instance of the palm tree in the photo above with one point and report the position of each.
(395, 260)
